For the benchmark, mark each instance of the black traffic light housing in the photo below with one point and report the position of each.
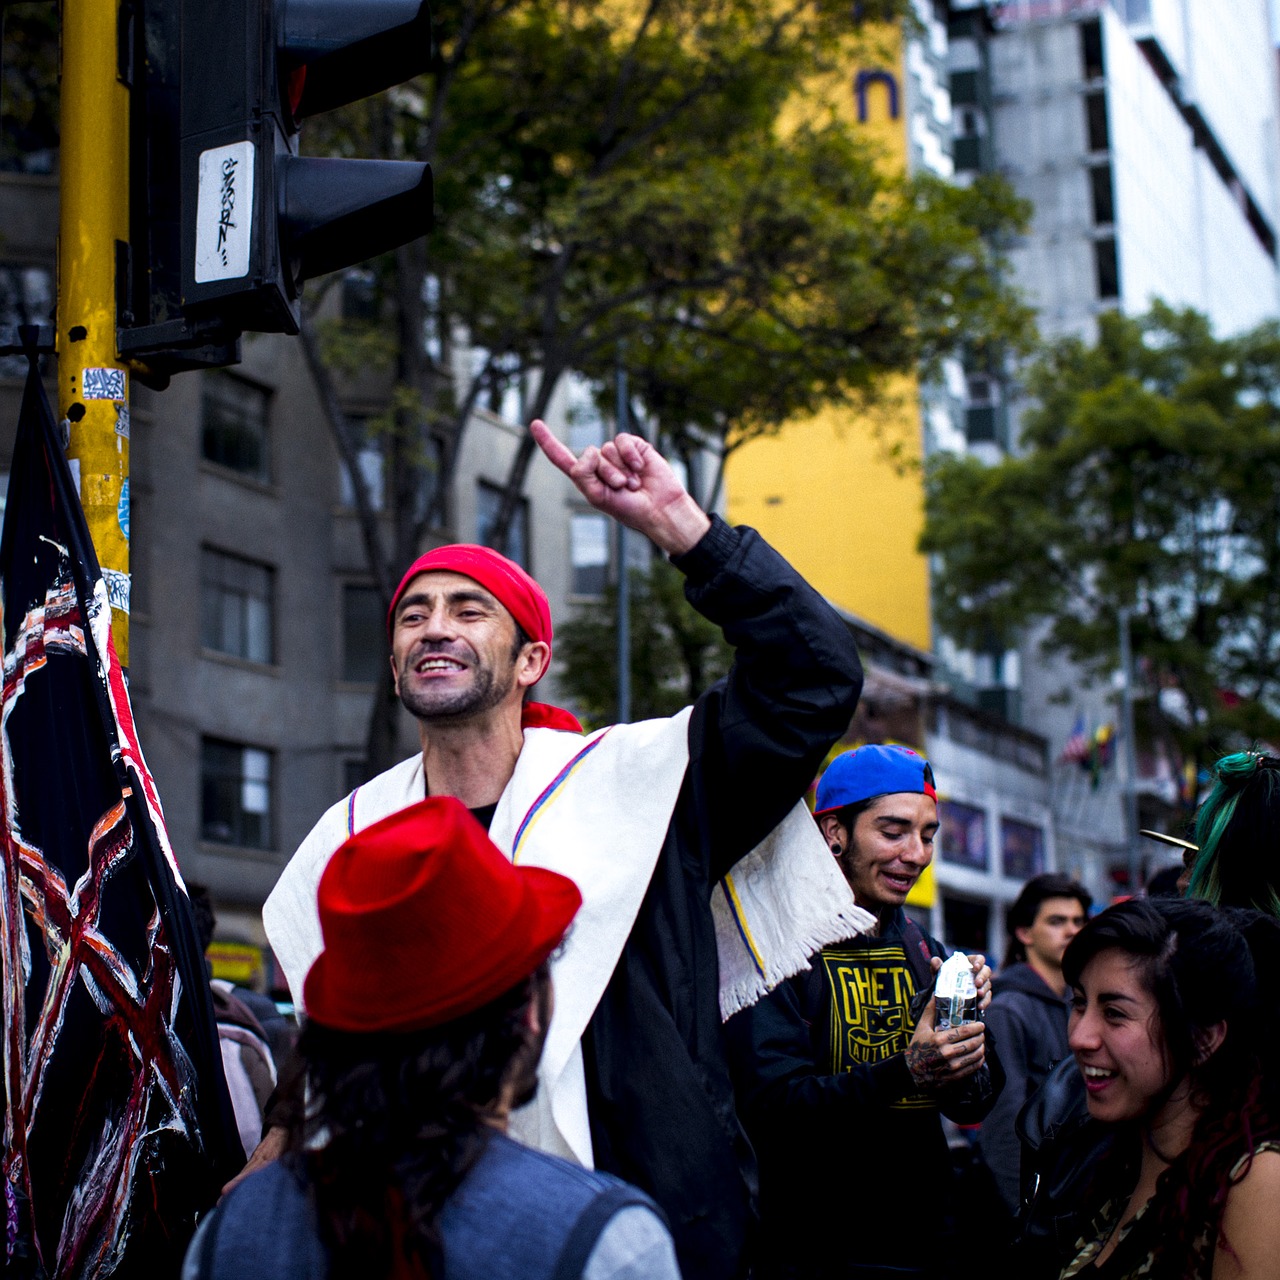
(226, 219)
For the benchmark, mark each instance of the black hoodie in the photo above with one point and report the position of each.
(1028, 1020)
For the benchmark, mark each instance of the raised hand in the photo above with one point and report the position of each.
(628, 479)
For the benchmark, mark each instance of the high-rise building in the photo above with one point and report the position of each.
(1146, 134)
(256, 634)
(841, 495)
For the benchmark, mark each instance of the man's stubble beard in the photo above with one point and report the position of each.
(485, 693)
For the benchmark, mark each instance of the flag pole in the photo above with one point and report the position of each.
(1130, 755)
(93, 399)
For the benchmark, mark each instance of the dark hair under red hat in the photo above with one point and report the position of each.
(513, 588)
(425, 920)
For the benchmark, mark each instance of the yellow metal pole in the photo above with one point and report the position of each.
(93, 392)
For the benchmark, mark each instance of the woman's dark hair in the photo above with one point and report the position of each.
(1198, 963)
(1038, 890)
(395, 1120)
(1238, 831)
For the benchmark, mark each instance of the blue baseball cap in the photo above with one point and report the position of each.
(868, 772)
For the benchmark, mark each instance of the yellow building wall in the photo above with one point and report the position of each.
(841, 494)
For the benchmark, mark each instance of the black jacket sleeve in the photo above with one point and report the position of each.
(758, 736)
(997, 1140)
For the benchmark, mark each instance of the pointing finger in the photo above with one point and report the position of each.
(559, 453)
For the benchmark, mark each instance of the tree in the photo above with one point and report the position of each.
(29, 88)
(675, 652)
(639, 177)
(1148, 479)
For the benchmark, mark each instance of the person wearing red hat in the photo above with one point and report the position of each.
(427, 1010)
(703, 878)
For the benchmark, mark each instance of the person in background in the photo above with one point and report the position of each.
(1237, 830)
(842, 1075)
(1169, 1033)
(428, 1007)
(248, 1061)
(1028, 1014)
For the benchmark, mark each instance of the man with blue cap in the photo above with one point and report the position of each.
(842, 1074)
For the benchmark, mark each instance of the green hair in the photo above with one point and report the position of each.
(1238, 831)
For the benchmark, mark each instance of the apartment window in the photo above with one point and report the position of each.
(964, 87)
(364, 634)
(1091, 50)
(236, 789)
(583, 419)
(589, 550)
(488, 500)
(1104, 203)
(963, 834)
(1095, 115)
(1106, 268)
(966, 924)
(236, 605)
(966, 146)
(234, 431)
(369, 462)
(1021, 849)
(982, 409)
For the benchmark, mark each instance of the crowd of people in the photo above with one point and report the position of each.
(620, 1006)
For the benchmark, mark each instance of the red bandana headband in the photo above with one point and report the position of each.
(505, 580)
(515, 590)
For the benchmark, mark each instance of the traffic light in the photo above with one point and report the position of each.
(227, 220)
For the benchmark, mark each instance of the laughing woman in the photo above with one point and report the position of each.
(1167, 1031)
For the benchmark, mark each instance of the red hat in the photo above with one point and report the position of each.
(424, 920)
(513, 588)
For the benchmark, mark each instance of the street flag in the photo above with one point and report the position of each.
(1076, 748)
(1101, 752)
(117, 1124)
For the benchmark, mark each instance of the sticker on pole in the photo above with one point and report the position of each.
(224, 213)
(117, 584)
(102, 384)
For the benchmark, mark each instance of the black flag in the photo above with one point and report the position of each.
(117, 1123)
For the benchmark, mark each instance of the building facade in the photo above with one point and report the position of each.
(256, 637)
(1146, 135)
(841, 495)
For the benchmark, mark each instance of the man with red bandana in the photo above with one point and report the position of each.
(703, 879)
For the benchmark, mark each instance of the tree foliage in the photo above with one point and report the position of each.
(1149, 478)
(643, 178)
(29, 88)
(675, 652)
